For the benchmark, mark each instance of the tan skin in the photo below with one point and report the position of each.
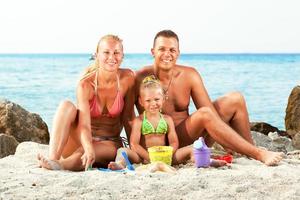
(152, 100)
(225, 120)
(73, 125)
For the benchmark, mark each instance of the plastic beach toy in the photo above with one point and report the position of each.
(201, 153)
(129, 165)
(228, 158)
(161, 154)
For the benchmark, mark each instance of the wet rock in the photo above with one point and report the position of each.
(8, 145)
(266, 128)
(292, 117)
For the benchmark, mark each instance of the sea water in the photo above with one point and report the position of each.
(39, 82)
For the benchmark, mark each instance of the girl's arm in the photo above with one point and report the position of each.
(172, 136)
(128, 110)
(84, 123)
(135, 139)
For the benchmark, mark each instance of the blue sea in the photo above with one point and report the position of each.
(38, 82)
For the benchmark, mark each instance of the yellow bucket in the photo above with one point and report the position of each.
(161, 153)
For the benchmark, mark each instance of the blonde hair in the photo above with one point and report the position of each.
(151, 82)
(92, 68)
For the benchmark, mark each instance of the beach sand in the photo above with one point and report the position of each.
(20, 178)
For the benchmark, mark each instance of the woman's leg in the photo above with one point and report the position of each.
(63, 139)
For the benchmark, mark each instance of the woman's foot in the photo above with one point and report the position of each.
(48, 164)
(116, 166)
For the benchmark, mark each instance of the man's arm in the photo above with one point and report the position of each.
(198, 91)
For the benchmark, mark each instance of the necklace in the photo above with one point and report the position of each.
(166, 90)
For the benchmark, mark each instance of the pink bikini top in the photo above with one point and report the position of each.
(116, 108)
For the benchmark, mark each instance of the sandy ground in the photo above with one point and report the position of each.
(20, 178)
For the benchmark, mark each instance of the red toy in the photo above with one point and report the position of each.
(228, 158)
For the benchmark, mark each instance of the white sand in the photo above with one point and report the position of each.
(246, 179)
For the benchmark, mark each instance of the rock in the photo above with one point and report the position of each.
(292, 117)
(8, 145)
(272, 142)
(266, 128)
(21, 124)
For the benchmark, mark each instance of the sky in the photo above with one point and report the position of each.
(203, 26)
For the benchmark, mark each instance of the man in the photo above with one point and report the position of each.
(225, 120)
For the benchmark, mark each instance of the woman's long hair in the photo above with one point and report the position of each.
(92, 68)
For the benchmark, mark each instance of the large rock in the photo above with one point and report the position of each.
(273, 141)
(292, 117)
(8, 145)
(21, 124)
(266, 128)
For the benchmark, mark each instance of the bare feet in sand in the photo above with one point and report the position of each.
(217, 163)
(48, 164)
(116, 166)
(271, 158)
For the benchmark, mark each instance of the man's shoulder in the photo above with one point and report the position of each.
(188, 69)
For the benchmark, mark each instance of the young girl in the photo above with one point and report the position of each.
(152, 128)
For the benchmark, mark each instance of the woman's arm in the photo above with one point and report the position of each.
(84, 123)
(135, 139)
(172, 136)
(128, 110)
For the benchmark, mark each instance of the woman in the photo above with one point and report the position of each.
(91, 131)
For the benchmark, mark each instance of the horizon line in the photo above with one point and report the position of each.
(222, 53)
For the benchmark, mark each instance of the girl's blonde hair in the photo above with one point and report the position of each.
(92, 68)
(150, 82)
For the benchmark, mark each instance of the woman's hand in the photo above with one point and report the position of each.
(88, 158)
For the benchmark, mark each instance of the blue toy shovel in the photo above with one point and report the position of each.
(129, 165)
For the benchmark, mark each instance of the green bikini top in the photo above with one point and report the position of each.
(147, 128)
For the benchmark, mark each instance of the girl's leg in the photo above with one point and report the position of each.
(182, 155)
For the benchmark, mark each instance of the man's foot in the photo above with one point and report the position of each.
(217, 163)
(48, 164)
(271, 158)
(116, 166)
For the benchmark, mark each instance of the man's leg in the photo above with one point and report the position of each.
(205, 119)
(232, 110)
